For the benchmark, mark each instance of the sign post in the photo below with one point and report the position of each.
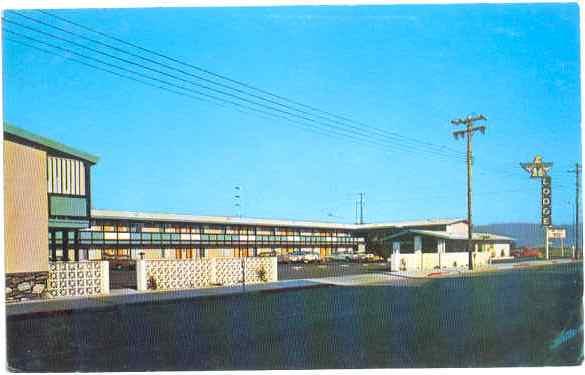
(539, 169)
(560, 234)
(546, 244)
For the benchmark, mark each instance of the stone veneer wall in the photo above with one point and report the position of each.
(26, 286)
(176, 274)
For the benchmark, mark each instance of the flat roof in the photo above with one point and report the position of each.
(452, 236)
(48, 143)
(411, 223)
(167, 217)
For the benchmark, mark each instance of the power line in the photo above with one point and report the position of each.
(216, 102)
(441, 148)
(211, 81)
(311, 127)
(353, 133)
(237, 97)
(240, 91)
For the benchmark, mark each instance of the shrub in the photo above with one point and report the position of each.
(151, 283)
(262, 274)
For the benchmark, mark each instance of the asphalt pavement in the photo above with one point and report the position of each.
(126, 279)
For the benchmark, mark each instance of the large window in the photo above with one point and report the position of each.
(65, 176)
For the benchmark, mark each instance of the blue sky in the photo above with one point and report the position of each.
(404, 69)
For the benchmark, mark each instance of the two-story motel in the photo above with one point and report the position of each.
(48, 217)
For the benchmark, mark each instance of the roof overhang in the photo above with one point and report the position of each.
(47, 143)
(451, 236)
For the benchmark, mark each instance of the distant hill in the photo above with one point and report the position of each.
(525, 234)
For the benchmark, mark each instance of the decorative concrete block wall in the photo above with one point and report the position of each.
(77, 279)
(177, 274)
(25, 286)
(228, 271)
(173, 274)
(431, 261)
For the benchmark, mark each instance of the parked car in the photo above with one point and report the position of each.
(299, 257)
(352, 257)
(311, 258)
(369, 258)
(267, 254)
(295, 258)
(340, 257)
(525, 252)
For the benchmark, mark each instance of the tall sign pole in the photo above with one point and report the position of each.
(468, 122)
(577, 172)
(539, 170)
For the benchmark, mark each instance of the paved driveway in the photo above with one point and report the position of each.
(124, 279)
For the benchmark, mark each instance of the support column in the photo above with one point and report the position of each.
(53, 236)
(418, 250)
(76, 244)
(66, 245)
(441, 244)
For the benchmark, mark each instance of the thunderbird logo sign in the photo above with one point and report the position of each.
(537, 169)
(540, 169)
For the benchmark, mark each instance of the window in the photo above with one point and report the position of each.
(85, 235)
(212, 230)
(135, 227)
(94, 236)
(151, 229)
(65, 176)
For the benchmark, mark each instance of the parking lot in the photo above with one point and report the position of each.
(126, 279)
(307, 271)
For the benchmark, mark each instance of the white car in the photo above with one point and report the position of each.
(352, 257)
(340, 257)
(295, 258)
(304, 258)
(311, 257)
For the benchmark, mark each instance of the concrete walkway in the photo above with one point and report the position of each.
(129, 296)
(459, 272)
(382, 278)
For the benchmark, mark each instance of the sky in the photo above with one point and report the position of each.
(402, 69)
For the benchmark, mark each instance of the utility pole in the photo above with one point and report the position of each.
(361, 208)
(468, 122)
(577, 172)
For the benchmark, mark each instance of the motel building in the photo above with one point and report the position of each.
(57, 245)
